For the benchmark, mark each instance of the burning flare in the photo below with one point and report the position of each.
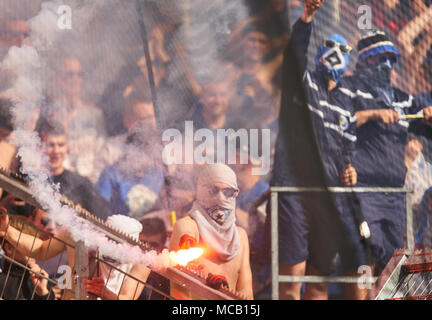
(183, 257)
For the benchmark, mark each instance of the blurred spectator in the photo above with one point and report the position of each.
(252, 216)
(12, 33)
(251, 188)
(7, 149)
(423, 221)
(415, 41)
(74, 186)
(391, 15)
(180, 188)
(212, 112)
(154, 233)
(83, 122)
(258, 71)
(17, 283)
(133, 184)
(419, 175)
(138, 112)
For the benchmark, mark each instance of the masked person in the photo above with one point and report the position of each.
(382, 132)
(211, 224)
(314, 148)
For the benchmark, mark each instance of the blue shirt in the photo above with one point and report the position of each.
(115, 186)
(246, 198)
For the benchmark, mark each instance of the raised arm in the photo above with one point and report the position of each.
(27, 244)
(301, 33)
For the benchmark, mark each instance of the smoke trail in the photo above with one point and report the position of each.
(27, 94)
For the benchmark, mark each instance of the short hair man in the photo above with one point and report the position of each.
(77, 188)
(211, 223)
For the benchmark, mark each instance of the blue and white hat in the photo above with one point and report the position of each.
(375, 42)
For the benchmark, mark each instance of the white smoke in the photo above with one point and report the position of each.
(28, 66)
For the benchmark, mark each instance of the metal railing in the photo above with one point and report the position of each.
(86, 266)
(276, 279)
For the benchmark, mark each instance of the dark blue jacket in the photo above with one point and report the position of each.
(317, 127)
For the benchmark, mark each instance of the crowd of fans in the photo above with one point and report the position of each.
(106, 152)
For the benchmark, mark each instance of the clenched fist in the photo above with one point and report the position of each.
(349, 176)
(310, 8)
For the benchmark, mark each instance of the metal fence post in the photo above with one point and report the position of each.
(274, 246)
(409, 222)
(81, 269)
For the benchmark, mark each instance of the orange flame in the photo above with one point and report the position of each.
(183, 257)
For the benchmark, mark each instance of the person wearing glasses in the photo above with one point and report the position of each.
(211, 224)
(315, 147)
(381, 112)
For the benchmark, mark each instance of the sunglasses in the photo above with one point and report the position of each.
(344, 48)
(392, 59)
(227, 192)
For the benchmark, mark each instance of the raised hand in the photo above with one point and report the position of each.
(40, 283)
(94, 286)
(310, 8)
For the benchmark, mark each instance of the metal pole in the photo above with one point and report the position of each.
(409, 223)
(319, 279)
(151, 79)
(274, 246)
(81, 269)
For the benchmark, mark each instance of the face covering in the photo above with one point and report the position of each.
(217, 200)
(331, 60)
(378, 76)
(214, 210)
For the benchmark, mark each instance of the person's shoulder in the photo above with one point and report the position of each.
(186, 222)
(76, 179)
(108, 171)
(242, 233)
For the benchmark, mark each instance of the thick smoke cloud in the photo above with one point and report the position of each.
(106, 38)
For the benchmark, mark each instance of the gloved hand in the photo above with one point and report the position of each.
(216, 281)
(187, 242)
